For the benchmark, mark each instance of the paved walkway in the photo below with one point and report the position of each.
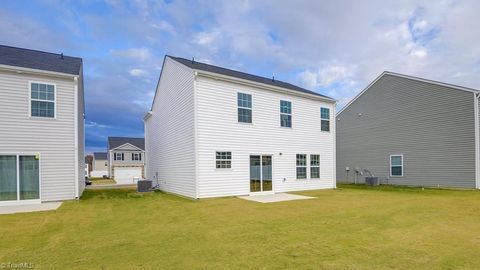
(277, 197)
(47, 206)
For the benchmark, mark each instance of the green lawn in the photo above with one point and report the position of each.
(347, 228)
(102, 181)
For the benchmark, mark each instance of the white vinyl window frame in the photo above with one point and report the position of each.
(223, 160)
(287, 113)
(325, 119)
(136, 156)
(18, 201)
(243, 107)
(312, 165)
(301, 165)
(118, 156)
(41, 100)
(401, 166)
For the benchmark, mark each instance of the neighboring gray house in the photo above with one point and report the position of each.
(126, 159)
(41, 126)
(99, 165)
(410, 131)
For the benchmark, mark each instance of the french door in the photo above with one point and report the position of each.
(19, 178)
(260, 173)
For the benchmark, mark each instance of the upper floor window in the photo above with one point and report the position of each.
(314, 166)
(136, 156)
(118, 156)
(244, 102)
(223, 160)
(301, 166)
(285, 113)
(42, 100)
(325, 119)
(396, 165)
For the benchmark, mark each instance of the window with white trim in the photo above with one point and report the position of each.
(396, 165)
(285, 113)
(325, 119)
(244, 102)
(118, 156)
(136, 156)
(223, 160)
(42, 100)
(314, 166)
(301, 165)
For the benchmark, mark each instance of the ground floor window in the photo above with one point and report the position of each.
(314, 166)
(223, 160)
(396, 165)
(19, 177)
(301, 166)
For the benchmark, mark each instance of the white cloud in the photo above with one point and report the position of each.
(137, 72)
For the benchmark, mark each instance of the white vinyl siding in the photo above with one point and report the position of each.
(218, 128)
(169, 132)
(53, 139)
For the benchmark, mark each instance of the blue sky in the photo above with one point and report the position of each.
(333, 47)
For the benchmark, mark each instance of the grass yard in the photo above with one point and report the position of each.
(102, 181)
(348, 228)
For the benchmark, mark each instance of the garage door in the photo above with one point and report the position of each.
(127, 175)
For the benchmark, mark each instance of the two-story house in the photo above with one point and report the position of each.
(99, 165)
(410, 131)
(126, 159)
(41, 126)
(216, 132)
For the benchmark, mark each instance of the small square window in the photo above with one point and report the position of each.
(223, 160)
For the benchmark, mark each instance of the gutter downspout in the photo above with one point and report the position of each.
(477, 140)
(75, 91)
(195, 118)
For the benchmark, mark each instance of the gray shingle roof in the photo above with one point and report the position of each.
(242, 75)
(114, 142)
(100, 155)
(26, 58)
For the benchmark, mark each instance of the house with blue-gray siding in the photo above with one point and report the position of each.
(410, 131)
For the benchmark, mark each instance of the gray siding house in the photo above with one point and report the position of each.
(126, 159)
(410, 131)
(99, 164)
(41, 126)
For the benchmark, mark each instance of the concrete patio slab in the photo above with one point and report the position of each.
(277, 197)
(12, 209)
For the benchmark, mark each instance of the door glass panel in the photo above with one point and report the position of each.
(255, 174)
(8, 178)
(266, 173)
(29, 178)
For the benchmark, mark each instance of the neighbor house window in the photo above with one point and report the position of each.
(325, 119)
(42, 100)
(314, 166)
(118, 156)
(301, 166)
(244, 102)
(396, 165)
(223, 160)
(285, 113)
(136, 156)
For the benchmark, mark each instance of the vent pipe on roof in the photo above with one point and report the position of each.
(193, 60)
(61, 55)
(273, 78)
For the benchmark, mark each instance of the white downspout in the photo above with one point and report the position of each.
(195, 117)
(477, 141)
(76, 138)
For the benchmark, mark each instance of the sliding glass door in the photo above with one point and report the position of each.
(19, 177)
(260, 173)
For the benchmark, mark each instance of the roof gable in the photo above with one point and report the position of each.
(388, 73)
(26, 58)
(115, 142)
